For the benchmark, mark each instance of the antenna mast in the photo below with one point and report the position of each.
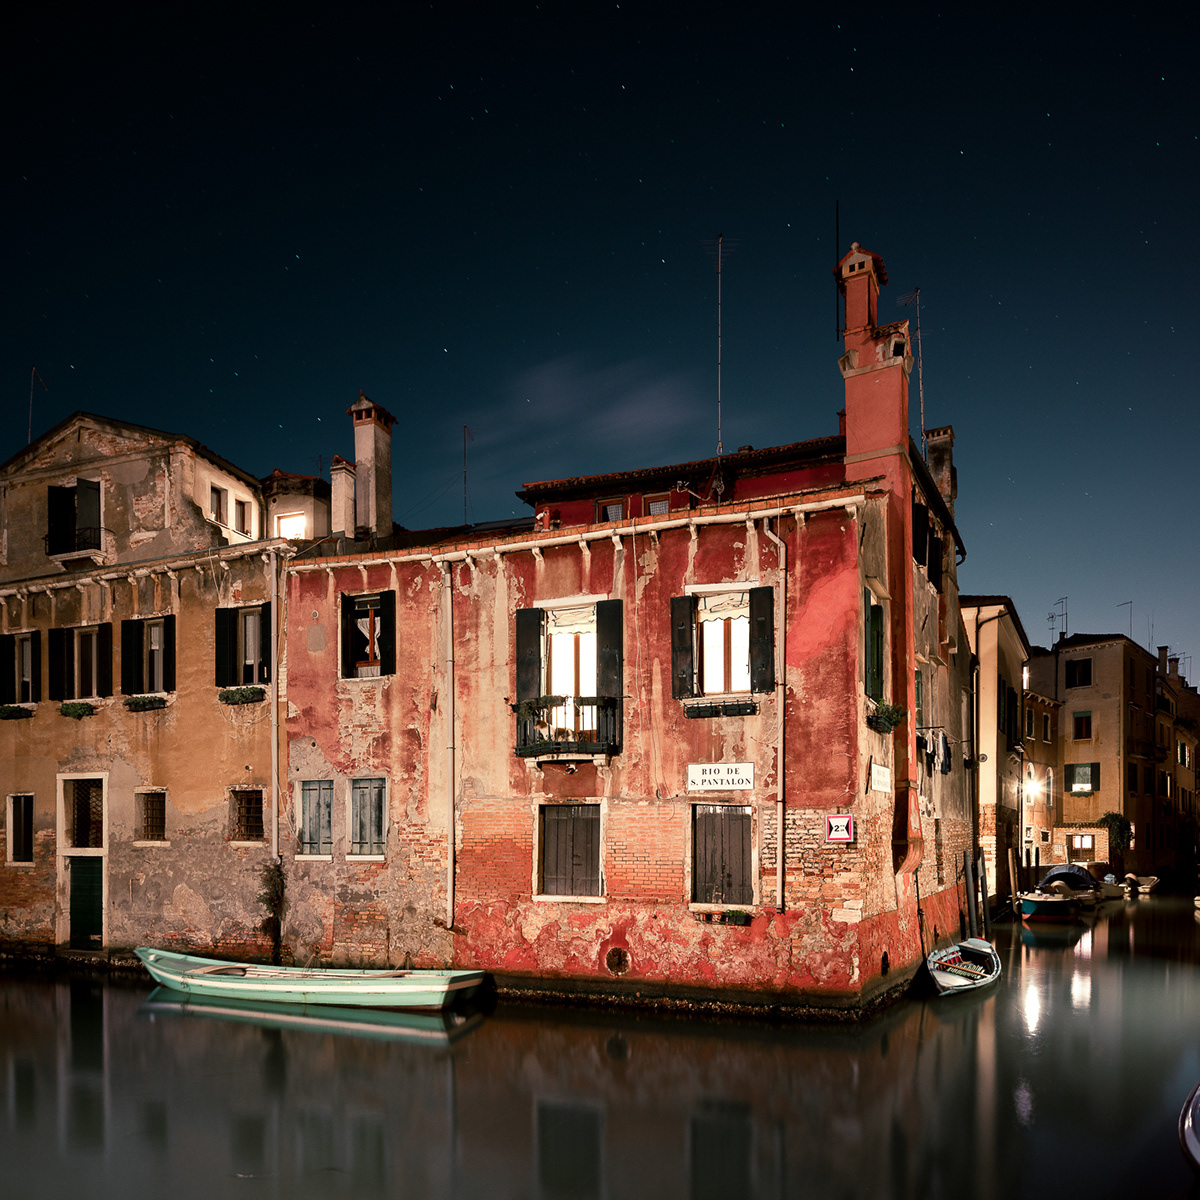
(720, 243)
(915, 298)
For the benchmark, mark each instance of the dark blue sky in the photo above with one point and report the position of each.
(226, 221)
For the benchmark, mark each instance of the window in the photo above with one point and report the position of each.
(872, 646)
(919, 691)
(570, 842)
(83, 812)
(367, 810)
(1029, 723)
(1082, 777)
(1083, 847)
(316, 816)
(1148, 775)
(290, 525)
(21, 667)
(570, 678)
(247, 804)
(1083, 726)
(74, 517)
(1045, 727)
(1131, 777)
(241, 516)
(216, 505)
(80, 662)
(151, 815)
(1183, 754)
(19, 824)
(721, 854)
(723, 643)
(658, 506)
(243, 645)
(1049, 789)
(1079, 672)
(610, 510)
(368, 635)
(148, 655)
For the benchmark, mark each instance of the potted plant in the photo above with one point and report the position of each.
(885, 718)
(14, 712)
(241, 695)
(144, 703)
(76, 709)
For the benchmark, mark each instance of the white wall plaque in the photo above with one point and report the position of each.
(720, 777)
(881, 778)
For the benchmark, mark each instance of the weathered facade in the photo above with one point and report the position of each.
(137, 804)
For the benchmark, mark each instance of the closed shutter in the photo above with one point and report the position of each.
(104, 657)
(529, 653)
(721, 858)
(610, 676)
(264, 643)
(169, 653)
(762, 639)
(226, 648)
(133, 634)
(35, 666)
(936, 549)
(873, 648)
(571, 850)
(60, 531)
(683, 646)
(920, 530)
(8, 669)
(387, 633)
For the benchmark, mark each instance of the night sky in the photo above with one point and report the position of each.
(225, 222)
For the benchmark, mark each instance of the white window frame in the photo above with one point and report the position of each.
(64, 848)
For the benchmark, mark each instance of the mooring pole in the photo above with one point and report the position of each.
(972, 915)
(987, 916)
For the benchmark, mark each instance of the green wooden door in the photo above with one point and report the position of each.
(87, 903)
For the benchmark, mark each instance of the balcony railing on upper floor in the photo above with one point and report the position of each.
(567, 725)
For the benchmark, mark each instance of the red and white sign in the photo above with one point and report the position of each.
(839, 828)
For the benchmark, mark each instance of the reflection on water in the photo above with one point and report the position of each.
(1070, 1073)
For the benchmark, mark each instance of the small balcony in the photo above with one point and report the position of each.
(584, 725)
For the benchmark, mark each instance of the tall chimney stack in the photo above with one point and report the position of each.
(373, 467)
(341, 476)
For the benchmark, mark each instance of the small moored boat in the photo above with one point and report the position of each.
(1189, 1129)
(1048, 906)
(968, 964)
(358, 988)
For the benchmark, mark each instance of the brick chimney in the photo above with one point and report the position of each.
(941, 463)
(341, 518)
(373, 467)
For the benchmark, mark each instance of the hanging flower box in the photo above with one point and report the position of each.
(144, 703)
(77, 709)
(885, 718)
(14, 712)
(241, 695)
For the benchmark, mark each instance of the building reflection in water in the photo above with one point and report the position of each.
(1082, 1045)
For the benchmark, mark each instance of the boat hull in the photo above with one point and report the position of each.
(964, 967)
(416, 989)
(1189, 1129)
(1047, 907)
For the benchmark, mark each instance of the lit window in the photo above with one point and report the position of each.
(723, 643)
(1082, 777)
(290, 526)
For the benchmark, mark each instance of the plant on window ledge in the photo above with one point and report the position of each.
(241, 695)
(144, 703)
(14, 712)
(885, 718)
(529, 710)
(77, 709)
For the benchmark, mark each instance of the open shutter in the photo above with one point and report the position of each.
(87, 515)
(610, 677)
(226, 644)
(104, 658)
(529, 653)
(56, 655)
(60, 528)
(762, 639)
(8, 669)
(133, 635)
(920, 530)
(387, 633)
(348, 631)
(264, 643)
(936, 547)
(169, 653)
(35, 671)
(683, 646)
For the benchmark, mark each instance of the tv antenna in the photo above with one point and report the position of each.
(914, 298)
(34, 373)
(1129, 604)
(719, 254)
(1060, 615)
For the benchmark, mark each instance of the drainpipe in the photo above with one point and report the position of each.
(274, 707)
(780, 669)
(448, 625)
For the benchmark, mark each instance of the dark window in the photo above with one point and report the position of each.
(1045, 727)
(721, 858)
(148, 655)
(74, 517)
(1131, 776)
(248, 815)
(367, 816)
(241, 512)
(723, 642)
(153, 815)
(1012, 717)
(216, 504)
(368, 635)
(316, 816)
(920, 528)
(20, 817)
(1081, 777)
(1079, 672)
(570, 850)
(936, 551)
(1029, 722)
(21, 667)
(80, 662)
(84, 804)
(872, 646)
(1083, 726)
(243, 646)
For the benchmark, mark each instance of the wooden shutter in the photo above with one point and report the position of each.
(762, 639)
(571, 850)
(8, 669)
(60, 528)
(87, 515)
(133, 637)
(683, 646)
(226, 648)
(348, 631)
(920, 530)
(610, 676)
(936, 550)
(873, 646)
(529, 653)
(104, 657)
(35, 666)
(169, 652)
(264, 643)
(721, 855)
(61, 663)
(387, 633)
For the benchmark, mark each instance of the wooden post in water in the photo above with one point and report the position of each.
(987, 914)
(972, 915)
(1014, 881)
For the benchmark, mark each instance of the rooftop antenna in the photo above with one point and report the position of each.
(1128, 603)
(466, 434)
(1061, 605)
(915, 298)
(720, 253)
(33, 374)
(837, 287)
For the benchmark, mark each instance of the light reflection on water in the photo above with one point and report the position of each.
(1069, 1074)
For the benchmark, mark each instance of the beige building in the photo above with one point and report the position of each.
(1042, 791)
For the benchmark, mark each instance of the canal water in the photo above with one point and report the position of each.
(1066, 1080)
